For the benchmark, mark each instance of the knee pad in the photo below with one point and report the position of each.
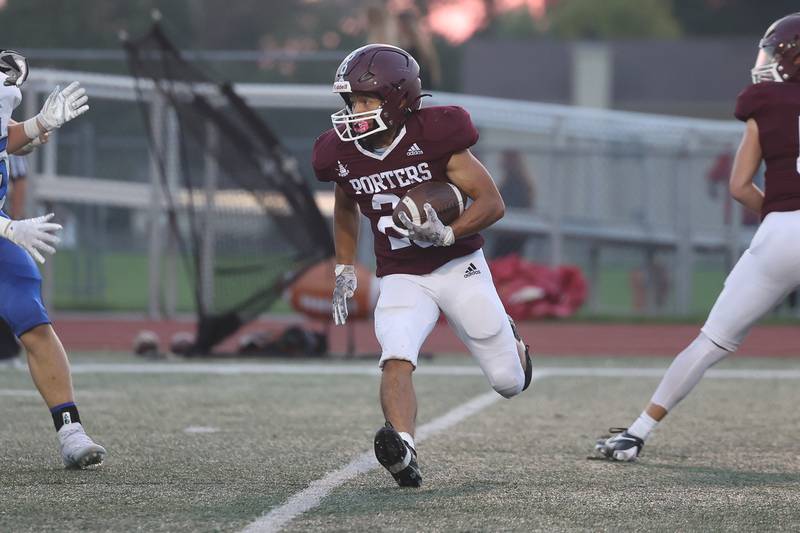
(712, 350)
(507, 381)
(717, 340)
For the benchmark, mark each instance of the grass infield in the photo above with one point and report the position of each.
(211, 452)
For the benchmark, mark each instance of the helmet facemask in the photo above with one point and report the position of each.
(766, 67)
(14, 66)
(357, 125)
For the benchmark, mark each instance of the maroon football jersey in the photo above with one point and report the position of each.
(419, 153)
(775, 107)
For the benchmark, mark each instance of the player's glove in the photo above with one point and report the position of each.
(35, 235)
(346, 284)
(59, 108)
(432, 230)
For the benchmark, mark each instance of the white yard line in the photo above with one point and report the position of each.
(33, 393)
(19, 392)
(372, 370)
(313, 495)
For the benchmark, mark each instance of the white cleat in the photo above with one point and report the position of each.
(77, 449)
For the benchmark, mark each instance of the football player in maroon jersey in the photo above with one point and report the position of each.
(383, 144)
(770, 268)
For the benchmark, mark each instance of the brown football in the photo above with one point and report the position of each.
(310, 294)
(445, 198)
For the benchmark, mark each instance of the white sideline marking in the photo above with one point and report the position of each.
(19, 392)
(311, 497)
(617, 372)
(235, 369)
(33, 393)
(201, 429)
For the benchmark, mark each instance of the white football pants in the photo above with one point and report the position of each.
(763, 276)
(408, 308)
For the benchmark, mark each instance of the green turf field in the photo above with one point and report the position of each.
(728, 458)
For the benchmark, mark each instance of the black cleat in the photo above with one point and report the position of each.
(621, 447)
(528, 362)
(397, 457)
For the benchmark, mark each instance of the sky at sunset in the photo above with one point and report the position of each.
(457, 20)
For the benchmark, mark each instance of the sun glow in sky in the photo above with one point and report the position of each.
(457, 20)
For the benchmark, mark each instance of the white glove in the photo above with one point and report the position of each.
(59, 108)
(433, 230)
(346, 284)
(35, 235)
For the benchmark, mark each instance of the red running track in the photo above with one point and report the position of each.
(103, 332)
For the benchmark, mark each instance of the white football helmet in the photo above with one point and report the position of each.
(14, 66)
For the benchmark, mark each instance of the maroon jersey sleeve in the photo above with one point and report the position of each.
(323, 156)
(749, 102)
(453, 128)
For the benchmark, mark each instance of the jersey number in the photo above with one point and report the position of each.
(380, 200)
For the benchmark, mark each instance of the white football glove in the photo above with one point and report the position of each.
(59, 108)
(35, 235)
(432, 230)
(346, 284)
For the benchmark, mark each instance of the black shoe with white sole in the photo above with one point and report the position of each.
(621, 447)
(397, 457)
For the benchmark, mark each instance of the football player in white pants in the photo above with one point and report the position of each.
(381, 146)
(770, 268)
(25, 240)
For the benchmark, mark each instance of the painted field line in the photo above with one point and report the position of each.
(622, 372)
(19, 392)
(33, 393)
(235, 369)
(313, 495)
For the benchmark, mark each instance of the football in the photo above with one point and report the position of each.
(310, 294)
(445, 198)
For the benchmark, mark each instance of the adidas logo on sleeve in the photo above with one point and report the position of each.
(471, 270)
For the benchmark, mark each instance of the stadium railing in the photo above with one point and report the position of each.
(638, 201)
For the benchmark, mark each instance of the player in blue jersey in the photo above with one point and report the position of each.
(21, 242)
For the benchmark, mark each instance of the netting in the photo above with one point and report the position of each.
(242, 215)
